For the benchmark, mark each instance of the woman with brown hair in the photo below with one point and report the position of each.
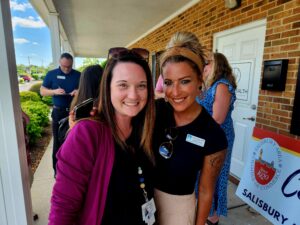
(104, 166)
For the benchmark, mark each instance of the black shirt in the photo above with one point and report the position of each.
(125, 197)
(177, 175)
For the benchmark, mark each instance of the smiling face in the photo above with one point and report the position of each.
(128, 89)
(181, 86)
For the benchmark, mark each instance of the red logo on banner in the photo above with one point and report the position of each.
(266, 163)
(264, 171)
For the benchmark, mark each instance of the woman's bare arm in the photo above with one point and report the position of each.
(212, 166)
(221, 103)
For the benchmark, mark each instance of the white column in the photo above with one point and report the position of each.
(55, 38)
(66, 47)
(15, 199)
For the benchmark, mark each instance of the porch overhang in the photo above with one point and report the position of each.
(92, 27)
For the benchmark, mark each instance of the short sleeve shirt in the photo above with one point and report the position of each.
(58, 79)
(203, 136)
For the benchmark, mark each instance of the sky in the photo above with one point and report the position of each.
(31, 36)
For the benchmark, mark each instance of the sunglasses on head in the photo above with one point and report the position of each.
(120, 51)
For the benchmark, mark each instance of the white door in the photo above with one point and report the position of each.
(243, 47)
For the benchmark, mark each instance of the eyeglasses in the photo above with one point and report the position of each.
(120, 51)
(166, 148)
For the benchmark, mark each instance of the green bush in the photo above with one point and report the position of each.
(36, 87)
(34, 130)
(29, 96)
(39, 109)
(38, 113)
(43, 77)
(21, 81)
(47, 100)
(35, 76)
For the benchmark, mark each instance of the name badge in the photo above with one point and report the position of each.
(148, 210)
(195, 140)
(61, 77)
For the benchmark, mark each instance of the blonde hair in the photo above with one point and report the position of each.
(220, 69)
(187, 42)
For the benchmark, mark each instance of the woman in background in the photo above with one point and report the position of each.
(218, 98)
(159, 88)
(89, 83)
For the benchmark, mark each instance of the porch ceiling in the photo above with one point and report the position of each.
(93, 26)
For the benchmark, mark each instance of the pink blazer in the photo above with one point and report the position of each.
(85, 162)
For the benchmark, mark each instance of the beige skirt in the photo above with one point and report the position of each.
(175, 209)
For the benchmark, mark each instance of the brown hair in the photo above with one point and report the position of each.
(220, 69)
(88, 84)
(142, 124)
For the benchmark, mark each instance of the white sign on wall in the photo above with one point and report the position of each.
(242, 71)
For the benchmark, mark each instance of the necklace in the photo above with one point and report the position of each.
(142, 183)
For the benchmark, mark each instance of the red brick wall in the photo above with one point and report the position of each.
(282, 41)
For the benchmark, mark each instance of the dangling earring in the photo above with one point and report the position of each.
(166, 99)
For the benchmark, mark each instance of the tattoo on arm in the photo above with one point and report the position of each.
(216, 161)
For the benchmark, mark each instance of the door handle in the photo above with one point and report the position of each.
(252, 118)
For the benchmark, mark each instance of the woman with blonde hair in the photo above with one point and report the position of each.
(218, 98)
(183, 39)
(186, 138)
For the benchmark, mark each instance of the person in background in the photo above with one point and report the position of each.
(89, 83)
(186, 138)
(159, 87)
(218, 99)
(62, 84)
(104, 169)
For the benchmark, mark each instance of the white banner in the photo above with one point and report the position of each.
(271, 180)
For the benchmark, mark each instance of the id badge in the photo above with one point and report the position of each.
(148, 211)
(61, 77)
(195, 140)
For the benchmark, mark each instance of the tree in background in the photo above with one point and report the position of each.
(103, 63)
(21, 69)
(90, 61)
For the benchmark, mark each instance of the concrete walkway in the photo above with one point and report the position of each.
(238, 214)
(42, 187)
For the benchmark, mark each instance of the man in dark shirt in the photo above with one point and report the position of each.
(62, 84)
